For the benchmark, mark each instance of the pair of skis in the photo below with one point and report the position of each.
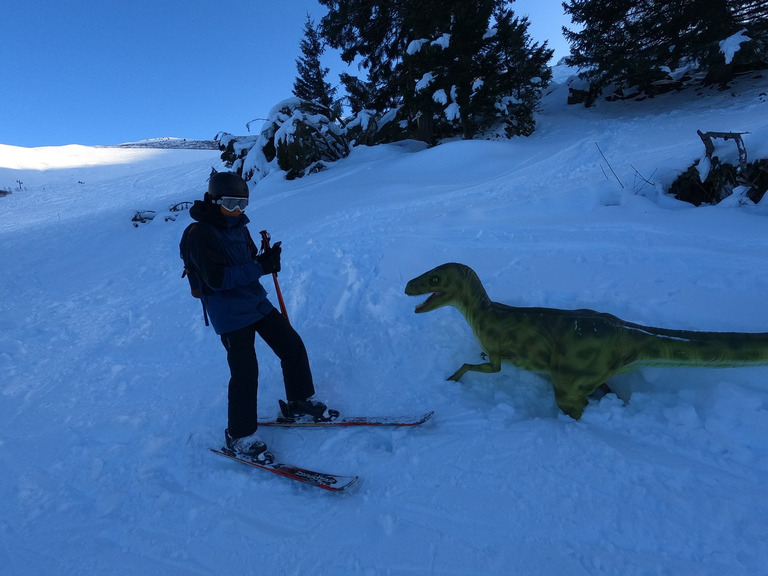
(330, 482)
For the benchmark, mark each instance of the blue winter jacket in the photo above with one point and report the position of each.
(223, 254)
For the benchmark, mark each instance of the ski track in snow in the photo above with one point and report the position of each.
(113, 390)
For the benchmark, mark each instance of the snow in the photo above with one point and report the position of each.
(731, 45)
(113, 389)
(425, 81)
(443, 41)
(452, 112)
(414, 46)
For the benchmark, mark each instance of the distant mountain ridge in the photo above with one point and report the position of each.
(171, 143)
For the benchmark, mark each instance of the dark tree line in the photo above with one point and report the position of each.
(449, 67)
(638, 42)
(431, 69)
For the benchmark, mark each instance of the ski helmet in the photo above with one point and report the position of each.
(227, 184)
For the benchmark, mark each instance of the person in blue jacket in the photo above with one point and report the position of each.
(219, 249)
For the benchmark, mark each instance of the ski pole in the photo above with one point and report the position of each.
(265, 238)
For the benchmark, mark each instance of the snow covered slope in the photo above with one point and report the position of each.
(112, 390)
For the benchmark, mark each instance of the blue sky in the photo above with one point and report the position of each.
(86, 72)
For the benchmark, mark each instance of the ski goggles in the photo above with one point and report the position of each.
(233, 203)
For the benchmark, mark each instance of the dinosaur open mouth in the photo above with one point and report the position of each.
(421, 307)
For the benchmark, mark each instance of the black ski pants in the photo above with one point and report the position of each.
(286, 343)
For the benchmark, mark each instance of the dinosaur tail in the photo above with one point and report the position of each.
(661, 347)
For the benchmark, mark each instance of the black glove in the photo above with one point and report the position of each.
(270, 259)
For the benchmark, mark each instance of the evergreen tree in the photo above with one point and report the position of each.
(514, 72)
(449, 66)
(310, 84)
(360, 95)
(371, 30)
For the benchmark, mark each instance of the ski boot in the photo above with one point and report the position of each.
(248, 447)
(309, 408)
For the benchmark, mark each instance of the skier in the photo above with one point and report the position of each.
(219, 250)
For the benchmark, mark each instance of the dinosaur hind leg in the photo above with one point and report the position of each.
(600, 391)
(572, 390)
(570, 403)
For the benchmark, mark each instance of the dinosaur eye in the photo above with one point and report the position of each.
(435, 280)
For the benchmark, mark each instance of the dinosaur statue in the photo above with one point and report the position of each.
(579, 350)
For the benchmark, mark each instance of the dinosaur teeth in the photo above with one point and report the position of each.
(421, 307)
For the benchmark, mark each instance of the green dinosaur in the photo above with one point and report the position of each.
(579, 350)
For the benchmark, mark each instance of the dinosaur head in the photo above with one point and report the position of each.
(444, 284)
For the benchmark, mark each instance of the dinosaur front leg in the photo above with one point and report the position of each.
(493, 365)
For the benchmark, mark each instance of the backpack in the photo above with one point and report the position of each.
(196, 286)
